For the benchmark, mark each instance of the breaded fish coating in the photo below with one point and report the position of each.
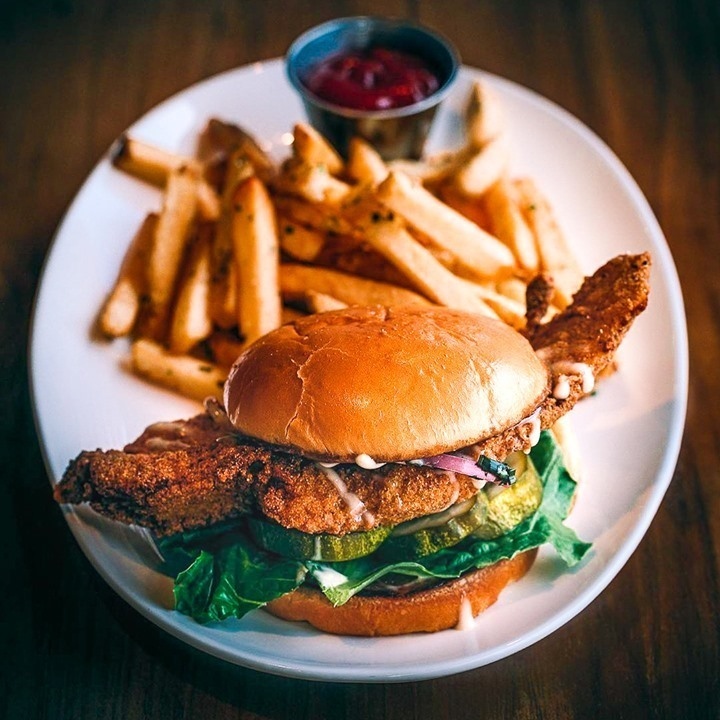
(189, 474)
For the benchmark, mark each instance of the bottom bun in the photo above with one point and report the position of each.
(438, 608)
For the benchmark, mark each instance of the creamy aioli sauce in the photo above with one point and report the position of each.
(561, 389)
(317, 549)
(355, 505)
(435, 520)
(456, 489)
(535, 428)
(466, 619)
(362, 460)
(367, 463)
(535, 432)
(577, 368)
(329, 577)
(561, 369)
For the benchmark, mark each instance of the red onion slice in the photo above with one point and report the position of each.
(463, 464)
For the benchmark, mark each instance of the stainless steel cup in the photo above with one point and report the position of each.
(395, 133)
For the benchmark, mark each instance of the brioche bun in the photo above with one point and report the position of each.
(395, 384)
(437, 608)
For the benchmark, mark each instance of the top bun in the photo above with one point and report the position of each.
(393, 383)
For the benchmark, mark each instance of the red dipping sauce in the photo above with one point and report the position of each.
(373, 79)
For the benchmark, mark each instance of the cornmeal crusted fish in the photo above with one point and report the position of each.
(189, 474)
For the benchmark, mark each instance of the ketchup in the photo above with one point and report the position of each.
(373, 79)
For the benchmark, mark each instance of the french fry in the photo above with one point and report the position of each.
(451, 229)
(365, 165)
(220, 140)
(472, 208)
(297, 280)
(255, 242)
(223, 277)
(478, 252)
(314, 149)
(299, 242)
(484, 117)
(208, 202)
(508, 224)
(193, 378)
(310, 182)
(555, 255)
(514, 288)
(317, 302)
(168, 247)
(509, 310)
(122, 306)
(191, 321)
(387, 235)
(223, 280)
(351, 255)
(482, 169)
(154, 165)
(225, 348)
(239, 167)
(318, 216)
(145, 161)
(442, 255)
(433, 170)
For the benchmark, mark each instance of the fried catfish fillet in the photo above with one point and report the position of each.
(588, 332)
(189, 474)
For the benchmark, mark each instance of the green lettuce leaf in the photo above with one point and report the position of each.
(234, 580)
(230, 580)
(546, 525)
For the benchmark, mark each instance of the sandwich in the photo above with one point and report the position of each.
(372, 470)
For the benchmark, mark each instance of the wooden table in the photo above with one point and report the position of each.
(645, 76)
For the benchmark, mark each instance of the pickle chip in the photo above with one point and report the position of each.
(509, 507)
(304, 546)
(427, 535)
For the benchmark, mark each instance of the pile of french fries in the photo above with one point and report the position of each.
(242, 244)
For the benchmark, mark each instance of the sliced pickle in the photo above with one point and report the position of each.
(304, 546)
(509, 506)
(437, 531)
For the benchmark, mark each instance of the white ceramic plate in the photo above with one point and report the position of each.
(628, 435)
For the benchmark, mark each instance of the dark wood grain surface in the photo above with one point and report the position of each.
(644, 75)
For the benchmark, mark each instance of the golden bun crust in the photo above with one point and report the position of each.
(395, 384)
(438, 608)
